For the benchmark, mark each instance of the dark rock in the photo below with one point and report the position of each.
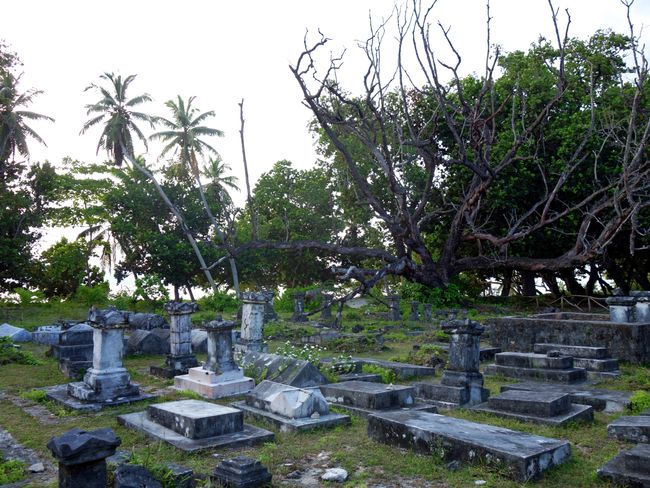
(241, 472)
(181, 477)
(132, 476)
(147, 321)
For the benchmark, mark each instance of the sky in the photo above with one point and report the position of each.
(225, 51)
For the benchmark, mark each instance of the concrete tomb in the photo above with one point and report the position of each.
(630, 428)
(107, 382)
(596, 360)
(133, 476)
(282, 369)
(402, 370)
(142, 341)
(252, 323)
(147, 321)
(241, 472)
(629, 468)
(394, 313)
(82, 457)
(199, 339)
(16, 334)
(524, 456)
(536, 407)
(642, 308)
(47, 335)
(74, 350)
(290, 408)
(299, 314)
(530, 366)
(219, 376)
(192, 425)
(462, 382)
(622, 310)
(181, 356)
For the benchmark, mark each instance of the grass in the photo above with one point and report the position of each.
(368, 462)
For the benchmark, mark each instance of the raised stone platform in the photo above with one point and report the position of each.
(630, 428)
(536, 407)
(445, 396)
(596, 360)
(212, 385)
(59, 393)
(192, 425)
(629, 468)
(286, 424)
(601, 400)
(370, 377)
(536, 367)
(524, 456)
(402, 370)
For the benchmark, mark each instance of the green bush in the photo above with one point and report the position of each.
(640, 401)
(388, 376)
(28, 297)
(284, 303)
(11, 354)
(151, 289)
(93, 295)
(219, 302)
(11, 471)
(35, 395)
(439, 297)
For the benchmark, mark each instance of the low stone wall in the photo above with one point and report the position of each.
(626, 342)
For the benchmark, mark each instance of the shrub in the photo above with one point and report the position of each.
(640, 401)
(28, 297)
(35, 395)
(284, 302)
(93, 295)
(219, 302)
(12, 354)
(388, 376)
(11, 471)
(439, 297)
(151, 289)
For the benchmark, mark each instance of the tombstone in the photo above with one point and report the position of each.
(193, 425)
(545, 367)
(107, 382)
(289, 408)
(47, 335)
(82, 456)
(621, 309)
(642, 308)
(143, 341)
(147, 321)
(363, 397)
(180, 358)
(462, 383)
(74, 351)
(326, 313)
(415, 312)
(133, 476)
(241, 472)
(219, 376)
(282, 369)
(15, 334)
(252, 323)
(428, 313)
(199, 341)
(269, 311)
(299, 307)
(628, 468)
(393, 308)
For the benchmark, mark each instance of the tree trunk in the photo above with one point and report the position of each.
(506, 284)
(189, 291)
(551, 281)
(593, 279)
(249, 198)
(176, 294)
(569, 278)
(528, 287)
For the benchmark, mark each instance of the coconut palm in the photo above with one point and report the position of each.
(116, 112)
(215, 173)
(185, 132)
(14, 130)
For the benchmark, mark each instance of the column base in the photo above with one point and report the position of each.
(213, 385)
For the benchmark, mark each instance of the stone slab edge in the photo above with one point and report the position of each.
(59, 393)
(287, 425)
(577, 413)
(616, 472)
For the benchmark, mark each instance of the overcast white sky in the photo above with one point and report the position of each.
(223, 51)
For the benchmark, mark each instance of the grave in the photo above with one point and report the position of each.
(146, 321)
(630, 428)
(537, 407)
(622, 310)
(252, 323)
(596, 360)
(414, 316)
(629, 468)
(133, 476)
(180, 357)
(199, 339)
(143, 341)
(15, 334)
(299, 314)
(82, 457)
(74, 350)
(428, 312)
(462, 382)
(524, 456)
(241, 472)
(47, 335)
(402, 370)
(220, 376)
(642, 309)
(546, 367)
(394, 313)
(107, 382)
(192, 425)
(290, 408)
(282, 369)
(269, 311)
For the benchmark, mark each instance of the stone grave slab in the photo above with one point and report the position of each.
(176, 423)
(16, 334)
(601, 400)
(536, 407)
(199, 341)
(371, 377)
(143, 341)
(282, 369)
(629, 468)
(59, 393)
(630, 428)
(367, 395)
(536, 367)
(402, 370)
(525, 456)
(573, 351)
(47, 335)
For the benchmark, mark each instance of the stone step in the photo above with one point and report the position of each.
(532, 360)
(569, 375)
(630, 428)
(524, 456)
(403, 370)
(575, 413)
(363, 394)
(574, 351)
(601, 365)
(370, 377)
(535, 403)
(195, 419)
(442, 393)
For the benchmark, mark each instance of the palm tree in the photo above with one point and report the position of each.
(185, 131)
(116, 112)
(215, 172)
(14, 130)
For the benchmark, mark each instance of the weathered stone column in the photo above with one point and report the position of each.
(180, 358)
(82, 457)
(107, 379)
(252, 322)
(642, 308)
(299, 307)
(219, 376)
(428, 312)
(621, 309)
(393, 308)
(326, 313)
(415, 312)
(269, 311)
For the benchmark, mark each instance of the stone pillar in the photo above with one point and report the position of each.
(107, 379)
(269, 311)
(220, 356)
(415, 312)
(464, 359)
(393, 308)
(241, 471)
(299, 307)
(82, 457)
(326, 313)
(180, 358)
(428, 312)
(621, 309)
(252, 322)
(642, 309)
